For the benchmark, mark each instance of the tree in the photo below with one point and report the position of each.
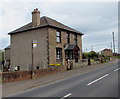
(85, 55)
(91, 54)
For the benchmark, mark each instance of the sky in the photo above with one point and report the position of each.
(96, 20)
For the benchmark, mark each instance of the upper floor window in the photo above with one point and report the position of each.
(58, 53)
(68, 37)
(58, 36)
(75, 38)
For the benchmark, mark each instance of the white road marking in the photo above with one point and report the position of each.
(66, 95)
(97, 79)
(117, 69)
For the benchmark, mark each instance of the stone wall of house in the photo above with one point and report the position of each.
(53, 45)
(45, 52)
(21, 49)
(79, 38)
(24, 75)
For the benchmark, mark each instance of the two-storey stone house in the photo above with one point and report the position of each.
(56, 42)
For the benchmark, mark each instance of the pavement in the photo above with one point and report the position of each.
(79, 82)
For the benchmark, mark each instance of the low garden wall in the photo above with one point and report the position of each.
(24, 75)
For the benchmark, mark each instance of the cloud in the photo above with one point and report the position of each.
(59, 1)
(96, 20)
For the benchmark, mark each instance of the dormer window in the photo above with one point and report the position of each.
(58, 36)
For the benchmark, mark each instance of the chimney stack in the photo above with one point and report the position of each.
(35, 17)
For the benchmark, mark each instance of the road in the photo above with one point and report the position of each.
(101, 82)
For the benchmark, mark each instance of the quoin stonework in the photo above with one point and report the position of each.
(55, 43)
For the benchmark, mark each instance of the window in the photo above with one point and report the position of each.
(68, 37)
(58, 53)
(58, 36)
(75, 39)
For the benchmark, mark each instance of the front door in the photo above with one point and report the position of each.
(76, 54)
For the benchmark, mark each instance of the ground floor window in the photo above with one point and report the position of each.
(59, 53)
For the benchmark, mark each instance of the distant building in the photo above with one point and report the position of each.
(55, 42)
(7, 57)
(107, 52)
(1, 60)
(116, 54)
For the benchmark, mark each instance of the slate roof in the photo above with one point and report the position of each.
(106, 50)
(71, 46)
(46, 22)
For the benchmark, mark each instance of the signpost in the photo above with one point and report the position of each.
(34, 44)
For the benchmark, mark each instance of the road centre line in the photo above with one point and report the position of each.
(97, 79)
(66, 96)
(117, 69)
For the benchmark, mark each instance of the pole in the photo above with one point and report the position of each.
(32, 60)
(113, 44)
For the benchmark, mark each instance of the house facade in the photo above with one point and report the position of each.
(55, 43)
(7, 58)
(107, 52)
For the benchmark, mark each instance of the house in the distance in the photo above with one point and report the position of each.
(7, 58)
(107, 52)
(43, 42)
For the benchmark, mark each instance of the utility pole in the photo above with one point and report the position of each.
(113, 44)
